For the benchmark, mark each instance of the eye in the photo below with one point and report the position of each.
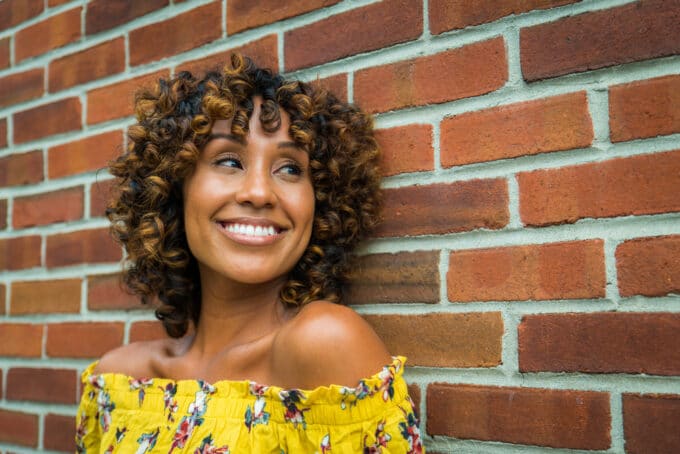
(229, 161)
(291, 169)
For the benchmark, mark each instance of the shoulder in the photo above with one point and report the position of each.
(135, 359)
(326, 343)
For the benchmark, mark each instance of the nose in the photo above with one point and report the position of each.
(256, 188)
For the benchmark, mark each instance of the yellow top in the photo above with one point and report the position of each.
(121, 414)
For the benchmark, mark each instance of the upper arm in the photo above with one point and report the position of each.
(327, 344)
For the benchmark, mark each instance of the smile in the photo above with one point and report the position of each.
(255, 233)
(250, 230)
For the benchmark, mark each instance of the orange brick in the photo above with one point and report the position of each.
(3, 290)
(530, 416)
(337, 85)
(644, 109)
(85, 155)
(20, 169)
(4, 53)
(20, 253)
(98, 61)
(534, 272)
(22, 86)
(83, 340)
(245, 14)
(42, 385)
(455, 14)
(108, 292)
(405, 149)
(649, 423)
(17, 427)
(634, 343)
(58, 435)
(21, 340)
(527, 128)
(13, 12)
(49, 207)
(3, 214)
(3, 132)
(82, 246)
(54, 32)
(371, 27)
(649, 266)
(646, 184)
(45, 297)
(445, 208)
(106, 14)
(406, 277)
(101, 192)
(42, 121)
(146, 331)
(53, 3)
(180, 33)
(632, 32)
(117, 100)
(442, 339)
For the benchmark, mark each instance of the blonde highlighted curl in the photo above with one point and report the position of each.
(174, 120)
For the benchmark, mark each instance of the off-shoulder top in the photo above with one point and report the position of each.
(121, 414)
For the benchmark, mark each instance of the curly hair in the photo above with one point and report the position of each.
(174, 120)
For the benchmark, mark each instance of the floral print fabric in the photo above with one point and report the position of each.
(120, 414)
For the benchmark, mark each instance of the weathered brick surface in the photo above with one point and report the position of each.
(22, 86)
(85, 155)
(42, 385)
(45, 297)
(533, 272)
(406, 277)
(82, 246)
(146, 331)
(51, 33)
(471, 70)
(650, 423)
(98, 61)
(3, 132)
(175, 35)
(245, 14)
(527, 128)
(649, 266)
(42, 121)
(532, 416)
(4, 52)
(21, 340)
(263, 52)
(18, 427)
(443, 340)
(49, 207)
(20, 252)
(634, 343)
(58, 433)
(371, 27)
(3, 290)
(83, 340)
(101, 192)
(13, 12)
(106, 14)
(445, 208)
(336, 84)
(643, 109)
(22, 168)
(645, 184)
(106, 292)
(633, 32)
(455, 14)
(405, 149)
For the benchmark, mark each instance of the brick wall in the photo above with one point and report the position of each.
(530, 255)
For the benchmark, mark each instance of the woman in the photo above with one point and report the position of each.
(239, 201)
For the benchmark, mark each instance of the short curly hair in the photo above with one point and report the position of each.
(174, 120)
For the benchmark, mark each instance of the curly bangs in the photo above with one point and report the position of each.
(174, 120)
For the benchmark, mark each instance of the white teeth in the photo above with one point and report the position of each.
(244, 229)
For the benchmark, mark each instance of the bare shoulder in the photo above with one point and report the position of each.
(326, 343)
(133, 359)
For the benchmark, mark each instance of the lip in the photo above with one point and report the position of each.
(251, 240)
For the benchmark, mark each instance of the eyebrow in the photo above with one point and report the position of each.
(221, 135)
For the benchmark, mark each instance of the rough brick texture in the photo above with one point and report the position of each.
(82, 340)
(53, 118)
(21, 168)
(649, 423)
(13, 12)
(48, 208)
(245, 14)
(42, 385)
(83, 246)
(3, 132)
(85, 155)
(4, 53)
(20, 252)
(20, 339)
(649, 266)
(57, 31)
(58, 434)
(107, 292)
(146, 331)
(96, 62)
(34, 297)
(106, 14)
(405, 149)
(22, 86)
(19, 428)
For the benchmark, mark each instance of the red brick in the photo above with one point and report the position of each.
(146, 331)
(21, 340)
(464, 72)
(414, 393)
(83, 340)
(59, 433)
(455, 14)
(85, 155)
(179, 34)
(42, 121)
(22, 86)
(405, 149)
(53, 3)
(3, 290)
(527, 128)
(54, 32)
(49, 207)
(531, 416)
(649, 266)
(371, 27)
(264, 52)
(42, 385)
(245, 14)
(20, 253)
(117, 100)
(17, 427)
(108, 293)
(406, 277)
(3, 132)
(96, 62)
(445, 208)
(13, 12)
(534, 272)
(45, 297)
(3, 214)
(644, 109)
(20, 169)
(646, 184)
(443, 339)
(82, 246)
(634, 343)
(101, 192)
(4, 53)
(106, 14)
(637, 31)
(650, 423)
(337, 85)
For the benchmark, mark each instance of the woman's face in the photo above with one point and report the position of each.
(249, 205)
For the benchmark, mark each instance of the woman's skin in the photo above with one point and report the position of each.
(245, 333)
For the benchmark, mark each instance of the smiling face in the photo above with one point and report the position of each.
(249, 205)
